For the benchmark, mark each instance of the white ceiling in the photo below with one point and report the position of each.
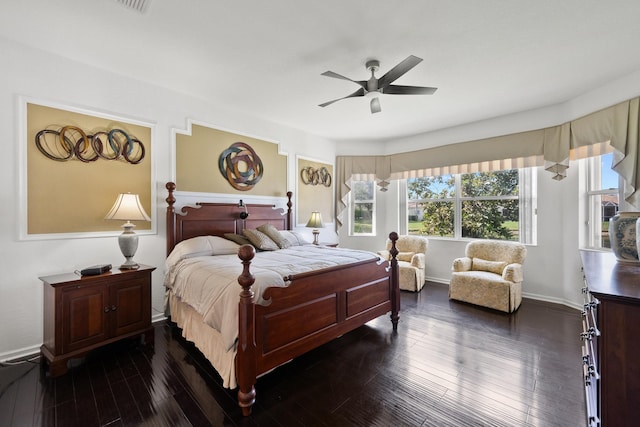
(264, 57)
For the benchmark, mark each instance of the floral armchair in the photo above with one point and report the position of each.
(489, 275)
(411, 261)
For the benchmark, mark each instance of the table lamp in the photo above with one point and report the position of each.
(315, 222)
(128, 208)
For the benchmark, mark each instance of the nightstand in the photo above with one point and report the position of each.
(82, 313)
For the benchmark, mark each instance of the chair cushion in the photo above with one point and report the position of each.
(405, 256)
(479, 264)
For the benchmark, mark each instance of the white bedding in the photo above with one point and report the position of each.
(209, 284)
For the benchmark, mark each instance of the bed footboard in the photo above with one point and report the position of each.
(316, 308)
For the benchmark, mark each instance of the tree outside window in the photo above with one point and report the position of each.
(476, 205)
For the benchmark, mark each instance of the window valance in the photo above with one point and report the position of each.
(616, 128)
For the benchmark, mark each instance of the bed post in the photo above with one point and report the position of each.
(245, 357)
(395, 281)
(171, 217)
(289, 204)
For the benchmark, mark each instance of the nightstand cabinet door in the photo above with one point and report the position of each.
(85, 310)
(83, 313)
(130, 308)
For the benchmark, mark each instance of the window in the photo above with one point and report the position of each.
(362, 208)
(602, 199)
(489, 205)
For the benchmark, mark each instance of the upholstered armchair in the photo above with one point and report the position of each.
(489, 275)
(411, 257)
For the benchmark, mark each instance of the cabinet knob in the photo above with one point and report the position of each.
(114, 308)
(106, 309)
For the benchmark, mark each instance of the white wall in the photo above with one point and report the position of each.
(552, 268)
(32, 73)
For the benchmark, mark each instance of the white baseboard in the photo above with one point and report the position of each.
(20, 354)
(31, 351)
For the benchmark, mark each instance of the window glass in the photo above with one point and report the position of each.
(488, 205)
(602, 200)
(362, 207)
(431, 218)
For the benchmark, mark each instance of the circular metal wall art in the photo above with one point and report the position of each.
(241, 166)
(312, 176)
(71, 141)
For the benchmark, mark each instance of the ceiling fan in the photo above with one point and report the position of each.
(375, 86)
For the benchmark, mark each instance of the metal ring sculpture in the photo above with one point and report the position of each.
(241, 166)
(70, 141)
(313, 176)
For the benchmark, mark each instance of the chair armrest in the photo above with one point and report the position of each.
(461, 264)
(418, 261)
(384, 255)
(513, 273)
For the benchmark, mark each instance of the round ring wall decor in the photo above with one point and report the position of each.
(71, 141)
(241, 166)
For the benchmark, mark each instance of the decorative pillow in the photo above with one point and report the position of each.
(294, 238)
(238, 238)
(260, 240)
(222, 246)
(200, 246)
(405, 256)
(274, 234)
(479, 264)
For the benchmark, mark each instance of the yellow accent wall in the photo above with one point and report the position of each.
(72, 196)
(314, 197)
(197, 157)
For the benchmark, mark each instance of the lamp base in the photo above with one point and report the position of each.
(128, 242)
(315, 237)
(130, 264)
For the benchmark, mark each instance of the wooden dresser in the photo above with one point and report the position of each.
(83, 313)
(611, 341)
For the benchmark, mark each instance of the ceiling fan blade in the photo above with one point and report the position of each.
(375, 106)
(397, 71)
(359, 92)
(362, 83)
(409, 90)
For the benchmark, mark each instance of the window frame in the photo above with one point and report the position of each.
(352, 204)
(590, 183)
(527, 197)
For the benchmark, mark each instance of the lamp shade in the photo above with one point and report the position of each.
(315, 221)
(128, 208)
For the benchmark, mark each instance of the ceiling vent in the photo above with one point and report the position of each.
(139, 5)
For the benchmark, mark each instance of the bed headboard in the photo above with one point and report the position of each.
(216, 219)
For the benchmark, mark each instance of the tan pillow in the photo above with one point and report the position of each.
(479, 264)
(405, 256)
(260, 240)
(274, 235)
(239, 239)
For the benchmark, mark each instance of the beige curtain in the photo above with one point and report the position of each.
(614, 129)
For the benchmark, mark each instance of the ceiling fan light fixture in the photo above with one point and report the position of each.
(375, 105)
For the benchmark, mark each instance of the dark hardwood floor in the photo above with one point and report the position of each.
(450, 364)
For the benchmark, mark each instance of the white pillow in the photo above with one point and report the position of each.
(294, 238)
(201, 246)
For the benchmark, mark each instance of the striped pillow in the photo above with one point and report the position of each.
(274, 235)
(260, 240)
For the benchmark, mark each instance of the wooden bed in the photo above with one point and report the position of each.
(317, 307)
